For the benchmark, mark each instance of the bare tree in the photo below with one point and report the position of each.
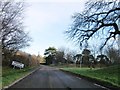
(100, 18)
(12, 34)
(113, 54)
(60, 56)
(69, 55)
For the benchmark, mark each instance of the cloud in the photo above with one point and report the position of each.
(46, 23)
(58, 1)
(40, 14)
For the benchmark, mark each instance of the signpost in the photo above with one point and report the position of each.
(17, 64)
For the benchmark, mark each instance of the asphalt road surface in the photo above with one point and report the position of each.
(50, 77)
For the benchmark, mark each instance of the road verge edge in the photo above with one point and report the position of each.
(102, 83)
(16, 81)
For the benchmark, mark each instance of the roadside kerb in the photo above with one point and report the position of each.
(103, 83)
(20, 79)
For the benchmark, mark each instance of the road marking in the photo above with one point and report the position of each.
(101, 86)
(78, 78)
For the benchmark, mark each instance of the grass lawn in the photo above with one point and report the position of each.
(0, 80)
(9, 75)
(108, 74)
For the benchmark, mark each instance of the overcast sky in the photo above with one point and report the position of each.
(47, 20)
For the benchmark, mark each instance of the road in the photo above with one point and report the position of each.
(50, 77)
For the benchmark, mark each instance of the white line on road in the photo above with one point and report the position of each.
(78, 78)
(101, 86)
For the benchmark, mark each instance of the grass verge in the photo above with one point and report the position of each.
(10, 75)
(108, 75)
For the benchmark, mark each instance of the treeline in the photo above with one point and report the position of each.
(111, 56)
(22, 57)
(86, 58)
(58, 56)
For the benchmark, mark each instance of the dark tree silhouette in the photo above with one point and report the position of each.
(85, 56)
(77, 57)
(100, 18)
(50, 55)
(103, 59)
(60, 56)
